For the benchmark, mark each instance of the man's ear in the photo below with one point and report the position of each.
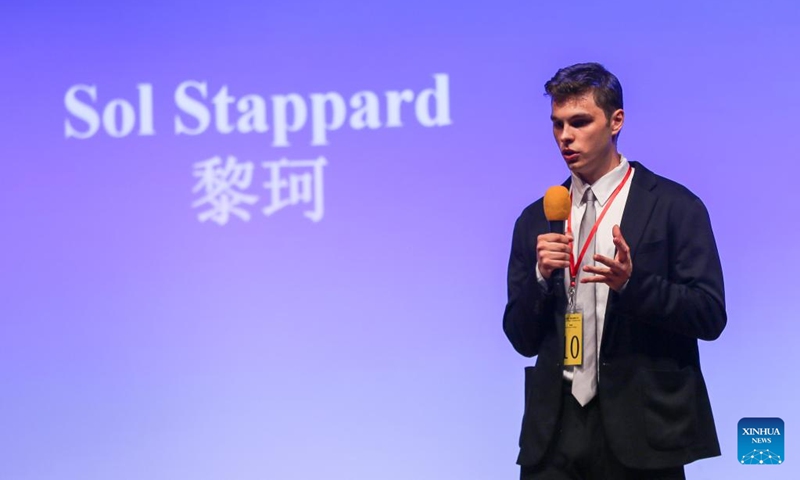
(617, 120)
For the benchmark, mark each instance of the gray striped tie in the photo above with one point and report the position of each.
(584, 383)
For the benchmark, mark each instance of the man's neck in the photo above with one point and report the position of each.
(613, 161)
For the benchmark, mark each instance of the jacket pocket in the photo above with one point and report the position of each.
(670, 414)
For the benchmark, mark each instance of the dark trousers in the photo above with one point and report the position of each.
(580, 450)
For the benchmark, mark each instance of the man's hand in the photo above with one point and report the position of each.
(552, 252)
(618, 270)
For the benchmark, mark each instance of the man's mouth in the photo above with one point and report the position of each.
(570, 155)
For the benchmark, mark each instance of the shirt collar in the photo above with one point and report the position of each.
(604, 187)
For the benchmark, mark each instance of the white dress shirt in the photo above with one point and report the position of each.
(604, 240)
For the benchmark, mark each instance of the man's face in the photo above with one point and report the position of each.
(584, 136)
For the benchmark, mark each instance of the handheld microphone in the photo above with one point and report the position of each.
(556, 209)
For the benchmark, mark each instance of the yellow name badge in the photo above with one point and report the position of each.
(573, 334)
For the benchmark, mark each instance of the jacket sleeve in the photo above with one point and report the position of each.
(529, 311)
(691, 300)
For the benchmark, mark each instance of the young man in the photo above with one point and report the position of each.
(631, 402)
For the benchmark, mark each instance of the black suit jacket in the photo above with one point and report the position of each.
(651, 392)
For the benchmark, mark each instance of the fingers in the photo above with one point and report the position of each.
(555, 237)
(613, 273)
(552, 252)
(609, 276)
(609, 262)
(623, 250)
(596, 279)
(554, 242)
(601, 270)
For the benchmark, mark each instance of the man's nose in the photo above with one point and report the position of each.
(567, 135)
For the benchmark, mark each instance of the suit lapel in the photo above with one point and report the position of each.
(635, 218)
(638, 207)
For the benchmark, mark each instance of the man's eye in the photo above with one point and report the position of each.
(580, 123)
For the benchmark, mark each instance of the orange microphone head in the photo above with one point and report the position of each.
(557, 204)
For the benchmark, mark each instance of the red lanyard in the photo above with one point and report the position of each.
(573, 265)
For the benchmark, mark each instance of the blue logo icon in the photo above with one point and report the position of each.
(761, 441)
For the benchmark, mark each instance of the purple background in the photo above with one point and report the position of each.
(139, 344)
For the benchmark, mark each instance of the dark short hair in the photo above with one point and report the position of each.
(580, 78)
